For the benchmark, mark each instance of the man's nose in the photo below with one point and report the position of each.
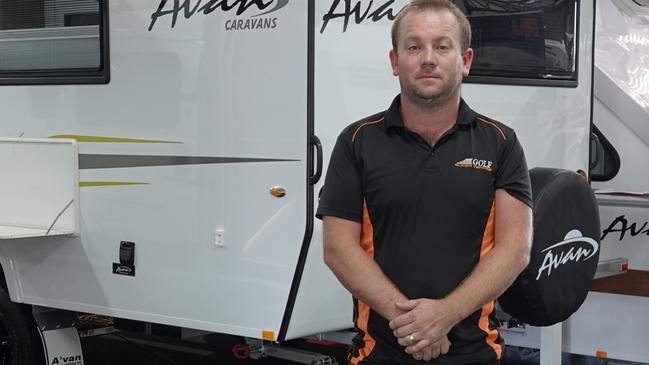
(429, 57)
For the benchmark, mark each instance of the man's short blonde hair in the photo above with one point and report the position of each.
(422, 5)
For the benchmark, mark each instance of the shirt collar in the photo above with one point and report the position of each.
(466, 115)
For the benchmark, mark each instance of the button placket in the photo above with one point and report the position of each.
(431, 163)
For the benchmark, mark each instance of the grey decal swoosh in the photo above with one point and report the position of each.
(100, 161)
(280, 4)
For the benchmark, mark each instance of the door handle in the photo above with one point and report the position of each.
(315, 142)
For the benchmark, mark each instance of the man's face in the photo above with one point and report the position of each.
(429, 60)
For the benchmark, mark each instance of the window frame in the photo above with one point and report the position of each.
(526, 81)
(607, 148)
(71, 75)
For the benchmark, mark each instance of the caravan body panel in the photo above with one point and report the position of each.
(621, 112)
(214, 124)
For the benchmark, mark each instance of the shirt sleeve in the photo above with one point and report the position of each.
(512, 173)
(342, 192)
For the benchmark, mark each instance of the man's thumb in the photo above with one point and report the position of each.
(407, 305)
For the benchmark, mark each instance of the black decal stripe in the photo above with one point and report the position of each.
(100, 161)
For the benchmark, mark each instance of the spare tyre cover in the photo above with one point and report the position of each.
(565, 250)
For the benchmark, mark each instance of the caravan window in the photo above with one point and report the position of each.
(53, 41)
(523, 42)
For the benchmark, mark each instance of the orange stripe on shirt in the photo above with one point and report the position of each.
(367, 243)
(368, 341)
(488, 236)
(363, 125)
(367, 232)
(495, 126)
(487, 309)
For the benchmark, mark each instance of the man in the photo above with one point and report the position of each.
(426, 206)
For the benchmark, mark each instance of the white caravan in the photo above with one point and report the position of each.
(620, 305)
(161, 159)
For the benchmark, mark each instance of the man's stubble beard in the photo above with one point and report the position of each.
(428, 100)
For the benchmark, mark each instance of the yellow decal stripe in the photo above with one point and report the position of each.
(87, 184)
(79, 138)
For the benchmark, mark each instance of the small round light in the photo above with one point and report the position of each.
(277, 191)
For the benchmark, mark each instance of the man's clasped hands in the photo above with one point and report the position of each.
(422, 326)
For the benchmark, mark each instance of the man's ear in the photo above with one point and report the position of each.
(467, 59)
(394, 61)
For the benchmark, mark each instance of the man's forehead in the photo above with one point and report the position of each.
(440, 16)
(441, 19)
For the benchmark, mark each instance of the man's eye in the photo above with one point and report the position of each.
(413, 48)
(443, 47)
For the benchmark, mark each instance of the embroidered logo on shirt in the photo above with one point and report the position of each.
(474, 163)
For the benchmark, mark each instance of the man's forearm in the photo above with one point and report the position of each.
(490, 278)
(358, 272)
(498, 269)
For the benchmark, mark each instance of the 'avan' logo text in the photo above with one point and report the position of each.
(358, 12)
(67, 360)
(571, 249)
(621, 225)
(189, 8)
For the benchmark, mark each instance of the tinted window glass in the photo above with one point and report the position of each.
(50, 35)
(523, 39)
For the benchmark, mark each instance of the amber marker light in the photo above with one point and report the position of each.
(277, 191)
(268, 335)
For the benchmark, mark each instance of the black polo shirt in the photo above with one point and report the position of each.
(427, 215)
